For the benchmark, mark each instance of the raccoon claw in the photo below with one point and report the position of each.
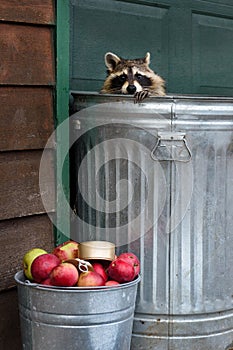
(140, 96)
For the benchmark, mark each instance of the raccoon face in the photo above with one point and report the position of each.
(129, 81)
(129, 76)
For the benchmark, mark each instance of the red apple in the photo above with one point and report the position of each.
(43, 265)
(99, 268)
(64, 275)
(47, 282)
(90, 279)
(111, 283)
(67, 250)
(131, 259)
(121, 271)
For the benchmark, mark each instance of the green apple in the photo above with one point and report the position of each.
(28, 259)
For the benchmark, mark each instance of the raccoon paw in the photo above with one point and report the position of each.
(140, 96)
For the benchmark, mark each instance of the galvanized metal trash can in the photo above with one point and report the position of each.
(157, 179)
(76, 318)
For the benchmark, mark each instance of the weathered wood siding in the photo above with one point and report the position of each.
(27, 81)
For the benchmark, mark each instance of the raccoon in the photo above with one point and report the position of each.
(132, 76)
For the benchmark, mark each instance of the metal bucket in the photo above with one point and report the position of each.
(172, 158)
(76, 318)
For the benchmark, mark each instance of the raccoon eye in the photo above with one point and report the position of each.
(122, 78)
(138, 76)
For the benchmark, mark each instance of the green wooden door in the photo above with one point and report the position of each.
(190, 41)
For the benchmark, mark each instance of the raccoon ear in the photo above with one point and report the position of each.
(147, 58)
(111, 60)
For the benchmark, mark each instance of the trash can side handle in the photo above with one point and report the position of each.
(171, 146)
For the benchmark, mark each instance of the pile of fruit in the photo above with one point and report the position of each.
(63, 268)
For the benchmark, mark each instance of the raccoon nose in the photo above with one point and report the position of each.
(131, 89)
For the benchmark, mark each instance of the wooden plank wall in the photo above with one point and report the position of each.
(27, 81)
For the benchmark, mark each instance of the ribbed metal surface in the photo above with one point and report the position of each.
(201, 245)
(185, 298)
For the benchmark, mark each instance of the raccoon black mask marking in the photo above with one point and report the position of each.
(134, 77)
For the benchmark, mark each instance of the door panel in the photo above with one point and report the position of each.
(212, 54)
(125, 29)
(190, 41)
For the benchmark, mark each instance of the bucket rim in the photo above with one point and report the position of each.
(20, 280)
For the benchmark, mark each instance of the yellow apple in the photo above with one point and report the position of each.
(67, 250)
(28, 259)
